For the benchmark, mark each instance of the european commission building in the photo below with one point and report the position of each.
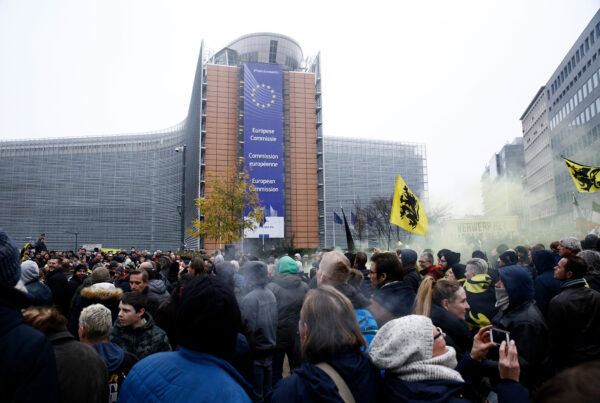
(258, 98)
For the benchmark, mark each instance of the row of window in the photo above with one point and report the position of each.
(577, 98)
(576, 58)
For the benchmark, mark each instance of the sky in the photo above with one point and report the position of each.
(454, 75)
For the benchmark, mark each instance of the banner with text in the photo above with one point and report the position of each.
(263, 144)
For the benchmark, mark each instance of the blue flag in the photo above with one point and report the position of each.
(352, 217)
(337, 219)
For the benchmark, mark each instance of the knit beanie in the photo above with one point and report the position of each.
(100, 275)
(408, 257)
(571, 243)
(29, 271)
(404, 347)
(459, 271)
(10, 269)
(287, 265)
(208, 317)
(452, 258)
(591, 241)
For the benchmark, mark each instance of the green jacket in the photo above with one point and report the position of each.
(142, 341)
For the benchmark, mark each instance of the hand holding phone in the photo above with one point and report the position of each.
(497, 336)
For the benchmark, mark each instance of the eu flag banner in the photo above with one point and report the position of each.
(586, 178)
(263, 144)
(337, 219)
(407, 211)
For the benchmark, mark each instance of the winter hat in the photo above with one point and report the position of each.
(298, 256)
(208, 317)
(409, 257)
(29, 271)
(509, 258)
(255, 273)
(404, 347)
(287, 265)
(10, 269)
(571, 243)
(100, 275)
(459, 271)
(592, 259)
(479, 254)
(591, 241)
(452, 258)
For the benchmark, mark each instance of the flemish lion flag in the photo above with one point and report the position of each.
(407, 211)
(587, 179)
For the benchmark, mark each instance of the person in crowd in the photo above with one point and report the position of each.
(200, 366)
(82, 374)
(165, 316)
(360, 263)
(138, 280)
(508, 258)
(102, 291)
(289, 291)
(523, 255)
(574, 316)
(334, 270)
(80, 273)
(519, 315)
(427, 267)
(592, 260)
(569, 246)
(590, 242)
(259, 309)
(391, 297)
(481, 296)
(492, 271)
(57, 281)
(135, 331)
(30, 275)
(546, 286)
(576, 384)
(197, 267)
(450, 262)
(445, 302)
(157, 286)
(420, 367)
(40, 245)
(335, 367)
(27, 363)
(95, 324)
(122, 279)
(410, 275)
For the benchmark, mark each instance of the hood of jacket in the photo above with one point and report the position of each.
(102, 292)
(543, 260)
(285, 280)
(157, 287)
(112, 354)
(287, 265)
(29, 271)
(518, 283)
(426, 391)
(353, 367)
(359, 301)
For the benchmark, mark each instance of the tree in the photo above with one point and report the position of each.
(222, 210)
(374, 219)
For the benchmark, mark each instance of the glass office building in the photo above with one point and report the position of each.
(360, 170)
(136, 191)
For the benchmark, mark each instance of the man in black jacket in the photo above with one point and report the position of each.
(58, 283)
(27, 363)
(574, 316)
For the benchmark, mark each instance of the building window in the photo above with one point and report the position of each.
(273, 52)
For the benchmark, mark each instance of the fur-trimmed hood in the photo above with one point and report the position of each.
(102, 292)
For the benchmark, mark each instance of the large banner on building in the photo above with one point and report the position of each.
(263, 144)
(481, 228)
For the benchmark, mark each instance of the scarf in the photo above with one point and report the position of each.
(502, 301)
(432, 369)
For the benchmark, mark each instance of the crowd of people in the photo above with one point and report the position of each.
(402, 326)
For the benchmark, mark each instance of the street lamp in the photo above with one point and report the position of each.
(74, 233)
(181, 208)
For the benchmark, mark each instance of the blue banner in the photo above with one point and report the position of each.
(263, 144)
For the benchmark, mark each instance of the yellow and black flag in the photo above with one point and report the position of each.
(587, 179)
(407, 211)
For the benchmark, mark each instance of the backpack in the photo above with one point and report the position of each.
(367, 324)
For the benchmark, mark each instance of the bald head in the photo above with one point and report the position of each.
(146, 266)
(334, 269)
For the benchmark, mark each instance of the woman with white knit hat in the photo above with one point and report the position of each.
(420, 367)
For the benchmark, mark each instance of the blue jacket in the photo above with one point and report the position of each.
(184, 376)
(310, 384)
(546, 286)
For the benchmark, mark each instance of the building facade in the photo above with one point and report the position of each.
(257, 100)
(563, 120)
(358, 171)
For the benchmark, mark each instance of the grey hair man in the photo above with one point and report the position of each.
(481, 295)
(95, 325)
(569, 246)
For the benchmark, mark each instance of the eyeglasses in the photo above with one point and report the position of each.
(440, 333)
